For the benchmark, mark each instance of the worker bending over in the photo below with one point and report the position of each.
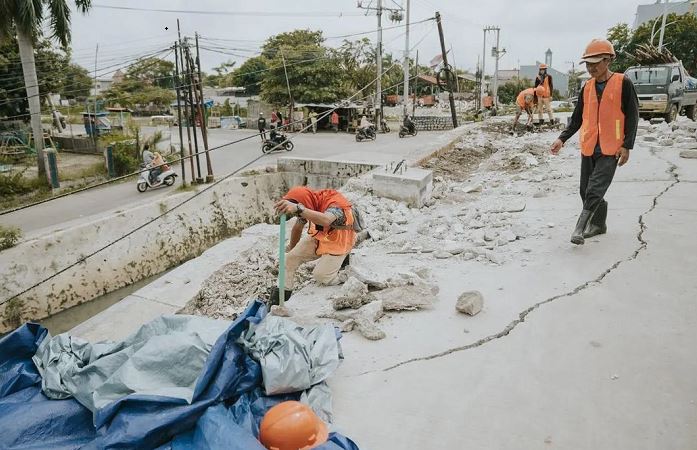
(545, 97)
(607, 113)
(527, 100)
(330, 237)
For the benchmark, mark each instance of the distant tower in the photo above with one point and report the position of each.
(548, 57)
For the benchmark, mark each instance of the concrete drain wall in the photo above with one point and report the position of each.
(185, 233)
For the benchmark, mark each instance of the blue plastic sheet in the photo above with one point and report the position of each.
(29, 420)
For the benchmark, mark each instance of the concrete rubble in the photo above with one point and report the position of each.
(470, 303)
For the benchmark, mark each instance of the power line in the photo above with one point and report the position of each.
(235, 13)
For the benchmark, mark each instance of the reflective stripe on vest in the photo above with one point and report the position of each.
(334, 242)
(603, 122)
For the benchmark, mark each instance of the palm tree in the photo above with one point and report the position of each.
(25, 17)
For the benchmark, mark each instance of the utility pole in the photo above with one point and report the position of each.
(396, 15)
(202, 109)
(416, 79)
(446, 67)
(177, 82)
(290, 96)
(498, 54)
(406, 62)
(186, 109)
(192, 110)
(663, 25)
(93, 124)
(483, 93)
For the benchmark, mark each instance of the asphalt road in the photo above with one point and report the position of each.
(64, 212)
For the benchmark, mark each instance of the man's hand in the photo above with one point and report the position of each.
(623, 156)
(556, 147)
(286, 207)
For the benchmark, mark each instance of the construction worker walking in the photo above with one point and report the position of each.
(545, 98)
(607, 113)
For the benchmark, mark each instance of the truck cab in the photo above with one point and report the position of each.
(664, 90)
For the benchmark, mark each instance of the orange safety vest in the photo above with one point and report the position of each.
(332, 241)
(521, 97)
(603, 122)
(545, 84)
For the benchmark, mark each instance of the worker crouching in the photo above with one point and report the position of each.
(330, 236)
(607, 113)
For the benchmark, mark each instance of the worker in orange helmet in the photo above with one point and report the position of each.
(330, 237)
(292, 425)
(607, 113)
(527, 101)
(545, 81)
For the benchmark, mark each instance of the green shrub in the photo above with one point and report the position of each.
(125, 159)
(16, 184)
(9, 236)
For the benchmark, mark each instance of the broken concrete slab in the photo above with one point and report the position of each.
(688, 154)
(413, 187)
(408, 297)
(353, 294)
(470, 303)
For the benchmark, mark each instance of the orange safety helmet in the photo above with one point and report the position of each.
(540, 90)
(292, 426)
(597, 50)
(543, 66)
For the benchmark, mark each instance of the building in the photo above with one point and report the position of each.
(508, 75)
(647, 13)
(561, 79)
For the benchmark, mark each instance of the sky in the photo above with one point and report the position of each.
(528, 28)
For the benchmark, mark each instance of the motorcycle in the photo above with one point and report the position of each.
(277, 143)
(383, 126)
(167, 178)
(366, 134)
(405, 131)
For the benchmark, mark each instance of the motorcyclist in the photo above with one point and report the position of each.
(365, 123)
(157, 166)
(409, 124)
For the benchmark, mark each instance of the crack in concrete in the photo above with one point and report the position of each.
(523, 315)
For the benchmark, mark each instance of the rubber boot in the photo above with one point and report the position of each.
(597, 224)
(577, 235)
(275, 298)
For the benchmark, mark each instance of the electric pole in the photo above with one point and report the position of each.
(406, 62)
(177, 83)
(395, 15)
(497, 53)
(446, 67)
(202, 109)
(663, 25)
(483, 93)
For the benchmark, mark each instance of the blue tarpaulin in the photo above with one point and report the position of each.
(225, 413)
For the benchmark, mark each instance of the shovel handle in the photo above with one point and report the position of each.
(282, 262)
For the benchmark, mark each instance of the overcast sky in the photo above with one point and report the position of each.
(528, 28)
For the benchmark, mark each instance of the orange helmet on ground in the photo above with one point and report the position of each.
(292, 426)
(597, 50)
(543, 66)
(540, 90)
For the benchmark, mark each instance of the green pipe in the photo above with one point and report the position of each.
(282, 262)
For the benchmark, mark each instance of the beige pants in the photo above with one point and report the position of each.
(546, 103)
(325, 272)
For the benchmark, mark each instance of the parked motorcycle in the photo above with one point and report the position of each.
(166, 178)
(405, 131)
(366, 134)
(277, 143)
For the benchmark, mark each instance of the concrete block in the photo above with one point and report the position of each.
(413, 187)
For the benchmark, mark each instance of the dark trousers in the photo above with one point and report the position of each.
(597, 172)
(263, 134)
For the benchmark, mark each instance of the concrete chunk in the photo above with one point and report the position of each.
(470, 303)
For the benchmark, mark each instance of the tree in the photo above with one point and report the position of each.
(76, 83)
(152, 71)
(314, 73)
(133, 92)
(25, 19)
(680, 38)
(250, 74)
(508, 92)
(221, 74)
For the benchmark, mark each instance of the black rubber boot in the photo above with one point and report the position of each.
(577, 236)
(597, 224)
(275, 298)
(346, 261)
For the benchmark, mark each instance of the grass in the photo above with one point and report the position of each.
(9, 236)
(95, 170)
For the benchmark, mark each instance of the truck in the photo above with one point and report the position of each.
(664, 90)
